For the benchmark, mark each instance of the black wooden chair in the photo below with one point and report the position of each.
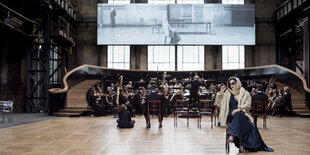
(181, 108)
(154, 107)
(205, 108)
(259, 110)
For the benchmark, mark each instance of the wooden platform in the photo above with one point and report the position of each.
(99, 135)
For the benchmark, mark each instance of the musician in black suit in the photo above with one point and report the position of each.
(194, 90)
(287, 101)
(259, 96)
(138, 100)
(152, 96)
(124, 116)
(124, 99)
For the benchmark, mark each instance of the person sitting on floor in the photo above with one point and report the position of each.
(124, 118)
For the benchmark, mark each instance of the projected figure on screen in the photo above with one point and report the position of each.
(170, 33)
(112, 16)
(100, 19)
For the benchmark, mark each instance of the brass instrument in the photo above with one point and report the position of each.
(118, 90)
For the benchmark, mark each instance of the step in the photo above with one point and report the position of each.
(76, 104)
(77, 94)
(81, 97)
(299, 111)
(76, 100)
(81, 87)
(299, 106)
(80, 111)
(76, 107)
(304, 115)
(65, 114)
(78, 90)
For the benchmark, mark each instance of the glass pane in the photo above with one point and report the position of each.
(161, 1)
(190, 58)
(119, 57)
(233, 57)
(190, 1)
(160, 56)
(118, 1)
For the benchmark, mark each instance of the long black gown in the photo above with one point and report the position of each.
(244, 130)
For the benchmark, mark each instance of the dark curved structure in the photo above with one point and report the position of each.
(87, 72)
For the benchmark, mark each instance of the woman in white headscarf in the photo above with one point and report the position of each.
(235, 104)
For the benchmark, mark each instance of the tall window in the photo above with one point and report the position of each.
(161, 1)
(232, 1)
(119, 57)
(190, 58)
(161, 58)
(118, 1)
(190, 1)
(233, 57)
(54, 61)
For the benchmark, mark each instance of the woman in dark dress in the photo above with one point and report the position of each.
(235, 104)
(124, 118)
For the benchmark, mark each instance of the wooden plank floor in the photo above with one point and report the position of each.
(98, 135)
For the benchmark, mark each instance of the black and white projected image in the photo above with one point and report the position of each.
(176, 24)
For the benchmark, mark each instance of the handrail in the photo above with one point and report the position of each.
(65, 89)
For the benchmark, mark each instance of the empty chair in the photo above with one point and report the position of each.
(6, 110)
(205, 108)
(181, 108)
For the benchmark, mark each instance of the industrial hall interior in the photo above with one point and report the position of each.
(159, 77)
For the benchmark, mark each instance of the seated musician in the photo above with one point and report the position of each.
(166, 105)
(152, 96)
(139, 99)
(287, 100)
(235, 103)
(271, 100)
(259, 96)
(279, 106)
(181, 92)
(124, 99)
(109, 101)
(99, 107)
(124, 118)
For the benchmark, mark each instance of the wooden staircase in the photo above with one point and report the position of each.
(298, 101)
(76, 99)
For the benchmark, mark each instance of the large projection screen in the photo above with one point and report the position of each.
(176, 24)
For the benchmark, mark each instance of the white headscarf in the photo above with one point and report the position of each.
(238, 85)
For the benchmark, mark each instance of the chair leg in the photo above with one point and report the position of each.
(174, 119)
(264, 125)
(227, 141)
(187, 119)
(198, 122)
(211, 122)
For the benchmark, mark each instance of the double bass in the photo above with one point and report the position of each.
(270, 103)
(279, 100)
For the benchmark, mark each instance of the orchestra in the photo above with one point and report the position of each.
(133, 94)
